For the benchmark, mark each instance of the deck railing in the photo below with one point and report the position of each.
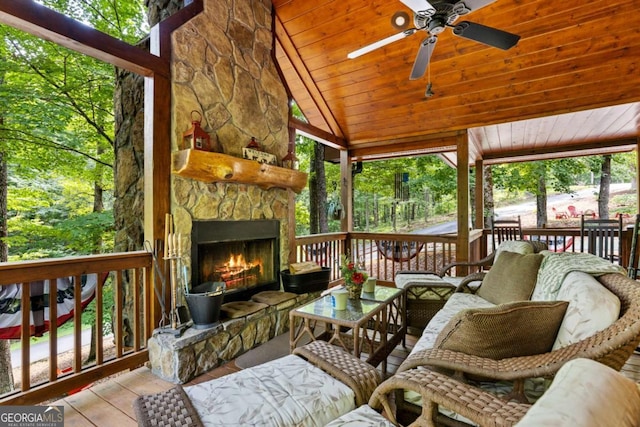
(383, 255)
(133, 267)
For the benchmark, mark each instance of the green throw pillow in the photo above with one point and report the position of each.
(511, 278)
(514, 329)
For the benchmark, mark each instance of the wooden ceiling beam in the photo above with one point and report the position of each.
(317, 134)
(623, 144)
(429, 144)
(47, 24)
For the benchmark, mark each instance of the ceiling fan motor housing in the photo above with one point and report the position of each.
(445, 15)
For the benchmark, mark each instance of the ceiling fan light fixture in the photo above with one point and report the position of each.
(400, 20)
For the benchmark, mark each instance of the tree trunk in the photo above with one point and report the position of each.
(6, 370)
(541, 202)
(488, 196)
(605, 185)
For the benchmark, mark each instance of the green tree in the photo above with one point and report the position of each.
(56, 136)
(536, 177)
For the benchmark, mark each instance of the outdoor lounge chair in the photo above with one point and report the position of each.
(603, 236)
(611, 346)
(584, 393)
(560, 214)
(505, 229)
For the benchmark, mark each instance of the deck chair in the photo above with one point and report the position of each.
(633, 270)
(505, 229)
(573, 211)
(602, 236)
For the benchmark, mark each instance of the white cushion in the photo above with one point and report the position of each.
(284, 391)
(592, 308)
(586, 393)
(362, 417)
(402, 279)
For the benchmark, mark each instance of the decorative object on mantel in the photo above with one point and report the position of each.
(353, 277)
(218, 167)
(254, 151)
(290, 161)
(195, 137)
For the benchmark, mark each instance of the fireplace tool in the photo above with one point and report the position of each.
(167, 324)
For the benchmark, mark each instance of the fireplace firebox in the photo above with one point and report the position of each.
(242, 254)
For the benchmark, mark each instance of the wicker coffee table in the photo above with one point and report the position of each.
(374, 324)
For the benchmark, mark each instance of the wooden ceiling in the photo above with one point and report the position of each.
(570, 83)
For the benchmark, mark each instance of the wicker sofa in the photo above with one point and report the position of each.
(584, 393)
(611, 345)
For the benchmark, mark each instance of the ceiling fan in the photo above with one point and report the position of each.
(433, 17)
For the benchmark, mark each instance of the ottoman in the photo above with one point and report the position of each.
(294, 390)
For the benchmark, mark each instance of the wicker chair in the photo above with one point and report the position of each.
(612, 346)
(424, 300)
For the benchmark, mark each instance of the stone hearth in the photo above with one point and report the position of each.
(196, 351)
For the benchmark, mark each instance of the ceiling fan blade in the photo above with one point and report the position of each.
(421, 7)
(487, 35)
(476, 4)
(423, 57)
(380, 43)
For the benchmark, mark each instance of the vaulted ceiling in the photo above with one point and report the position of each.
(571, 82)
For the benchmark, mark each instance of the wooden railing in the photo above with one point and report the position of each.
(134, 267)
(384, 254)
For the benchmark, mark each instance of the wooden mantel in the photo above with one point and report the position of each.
(216, 167)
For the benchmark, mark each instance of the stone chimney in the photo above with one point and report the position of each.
(223, 67)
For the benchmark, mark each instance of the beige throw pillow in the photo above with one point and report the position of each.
(511, 278)
(514, 329)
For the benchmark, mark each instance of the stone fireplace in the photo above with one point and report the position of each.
(244, 255)
(223, 67)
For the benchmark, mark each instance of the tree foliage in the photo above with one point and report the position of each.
(58, 133)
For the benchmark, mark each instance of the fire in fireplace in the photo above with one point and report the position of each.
(242, 254)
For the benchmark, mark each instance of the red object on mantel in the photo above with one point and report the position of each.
(254, 144)
(195, 137)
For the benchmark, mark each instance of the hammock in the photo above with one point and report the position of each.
(10, 304)
(399, 251)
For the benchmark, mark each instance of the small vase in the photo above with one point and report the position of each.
(354, 290)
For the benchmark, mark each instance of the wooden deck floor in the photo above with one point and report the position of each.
(110, 403)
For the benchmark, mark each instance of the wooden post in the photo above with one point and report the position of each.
(462, 244)
(479, 195)
(346, 196)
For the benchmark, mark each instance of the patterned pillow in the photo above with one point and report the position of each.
(508, 330)
(592, 308)
(511, 278)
